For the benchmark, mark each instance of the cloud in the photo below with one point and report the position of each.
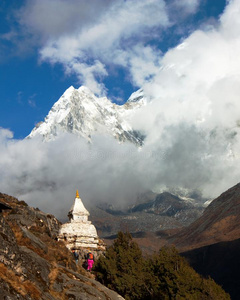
(90, 37)
(192, 123)
(186, 6)
(56, 18)
(194, 114)
(47, 174)
(87, 38)
(107, 41)
(32, 23)
(198, 81)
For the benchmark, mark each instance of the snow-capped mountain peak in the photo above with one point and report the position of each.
(137, 96)
(80, 112)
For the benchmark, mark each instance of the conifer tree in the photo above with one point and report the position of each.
(122, 268)
(164, 276)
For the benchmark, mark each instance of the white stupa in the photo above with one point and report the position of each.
(79, 233)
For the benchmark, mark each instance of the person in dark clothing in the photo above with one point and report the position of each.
(76, 255)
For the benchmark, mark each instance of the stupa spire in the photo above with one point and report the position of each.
(77, 194)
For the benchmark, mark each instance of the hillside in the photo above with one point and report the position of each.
(211, 244)
(219, 222)
(220, 261)
(33, 264)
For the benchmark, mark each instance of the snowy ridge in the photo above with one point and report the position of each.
(80, 112)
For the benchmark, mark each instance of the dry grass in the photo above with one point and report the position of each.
(23, 288)
(52, 278)
(56, 251)
(53, 275)
(25, 241)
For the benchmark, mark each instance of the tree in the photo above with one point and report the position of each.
(173, 278)
(122, 268)
(164, 275)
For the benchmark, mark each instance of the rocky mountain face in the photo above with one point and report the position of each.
(219, 222)
(33, 264)
(158, 212)
(166, 204)
(80, 112)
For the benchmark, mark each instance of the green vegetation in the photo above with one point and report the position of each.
(165, 275)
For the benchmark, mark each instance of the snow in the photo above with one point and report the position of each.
(136, 96)
(80, 112)
(206, 203)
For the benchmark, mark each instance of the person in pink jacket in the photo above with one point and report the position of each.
(90, 261)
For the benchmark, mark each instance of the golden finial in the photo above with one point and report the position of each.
(77, 195)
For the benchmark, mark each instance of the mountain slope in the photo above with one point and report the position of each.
(33, 265)
(212, 242)
(80, 112)
(219, 222)
(154, 212)
(220, 261)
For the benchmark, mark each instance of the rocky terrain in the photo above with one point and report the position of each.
(153, 213)
(219, 222)
(33, 264)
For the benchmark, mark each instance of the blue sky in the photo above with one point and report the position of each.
(113, 47)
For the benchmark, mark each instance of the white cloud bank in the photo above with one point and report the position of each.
(192, 125)
(89, 37)
(107, 41)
